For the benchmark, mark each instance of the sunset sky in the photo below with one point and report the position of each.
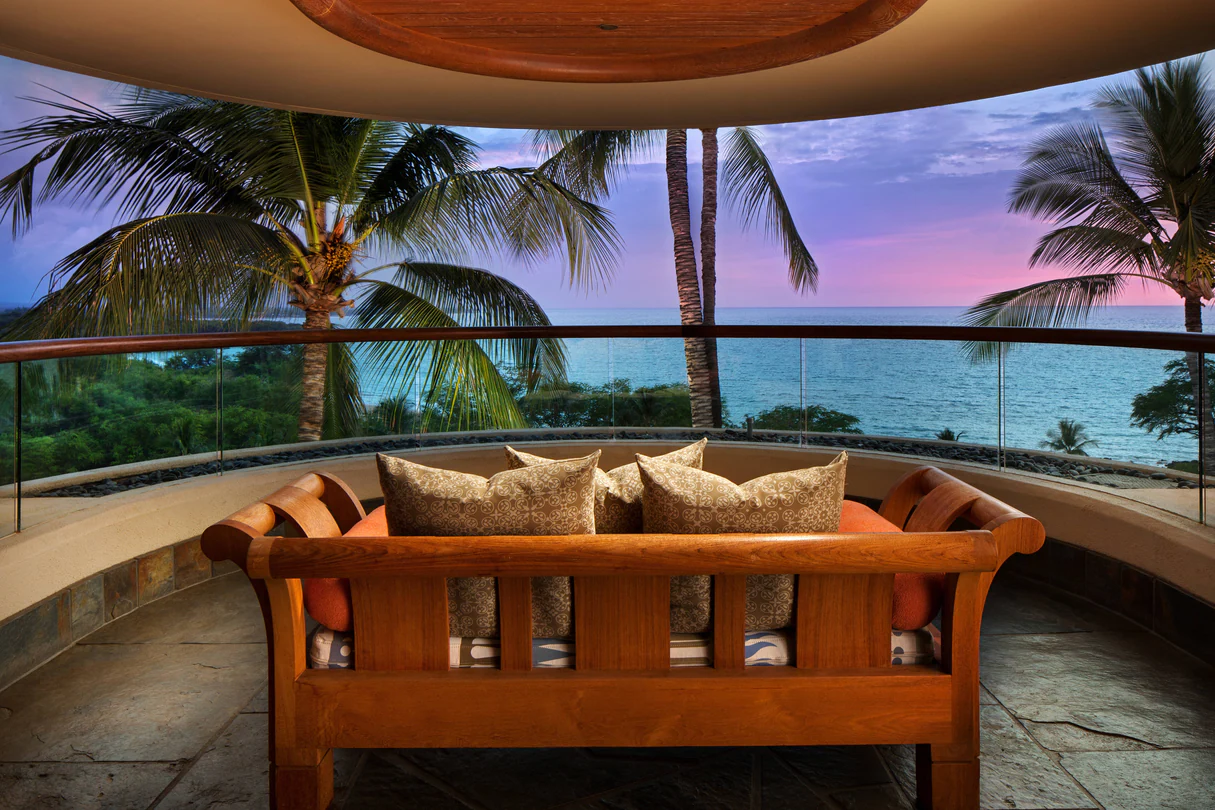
(906, 209)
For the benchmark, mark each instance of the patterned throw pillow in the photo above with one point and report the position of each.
(618, 491)
(679, 500)
(548, 499)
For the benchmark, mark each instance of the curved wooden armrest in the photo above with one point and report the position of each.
(607, 554)
(928, 499)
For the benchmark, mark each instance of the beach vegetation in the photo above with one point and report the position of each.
(1070, 437)
(1167, 409)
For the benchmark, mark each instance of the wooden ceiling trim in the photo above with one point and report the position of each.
(622, 54)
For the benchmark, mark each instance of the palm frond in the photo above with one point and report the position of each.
(592, 162)
(145, 163)
(1057, 303)
(159, 274)
(480, 211)
(459, 378)
(1089, 247)
(411, 162)
(469, 297)
(751, 189)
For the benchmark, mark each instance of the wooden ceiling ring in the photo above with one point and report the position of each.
(866, 21)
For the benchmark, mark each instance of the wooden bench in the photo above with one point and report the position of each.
(622, 691)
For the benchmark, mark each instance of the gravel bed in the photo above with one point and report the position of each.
(1078, 470)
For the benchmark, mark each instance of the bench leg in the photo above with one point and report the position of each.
(945, 785)
(303, 787)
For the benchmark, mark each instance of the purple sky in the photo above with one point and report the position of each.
(903, 209)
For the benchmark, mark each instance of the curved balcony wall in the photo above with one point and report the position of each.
(121, 459)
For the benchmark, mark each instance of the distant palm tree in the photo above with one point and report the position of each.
(1139, 206)
(591, 162)
(237, 211)
(1070, 437)
(947, 435)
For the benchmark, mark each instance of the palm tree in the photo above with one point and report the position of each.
(1136, 205)
(947, 435)
(237, 211)
(1070, 437)
(592, 161)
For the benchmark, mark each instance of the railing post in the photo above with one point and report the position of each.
(219, 408)
(801, 391)
(1203, 408)
(18, 422)
(612, 383)
(1000, 398)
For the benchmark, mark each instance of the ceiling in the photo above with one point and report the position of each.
(269, 52)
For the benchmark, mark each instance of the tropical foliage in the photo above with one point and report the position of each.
(812, 419)
(1131, 198)
(1167, 409)
(1069, 437)
(592, 162)
(948, 435)
(233, 211)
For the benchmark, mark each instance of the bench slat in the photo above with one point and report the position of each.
(729, 621)
(843, 620)
(400, 623)
(622, 623)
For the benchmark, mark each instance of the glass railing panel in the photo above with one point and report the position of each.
(8, 448)
(260, 398)
(929, 399)
(1118, 419)
(569, 387)
(97, 426)
(650, 386)
(761, 388)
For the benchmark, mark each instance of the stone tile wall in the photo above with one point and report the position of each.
(1179, 617)
(29, 639)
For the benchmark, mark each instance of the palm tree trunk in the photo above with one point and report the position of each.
(686, 278)
(708, 264)
(1202, 399)
(312, 398)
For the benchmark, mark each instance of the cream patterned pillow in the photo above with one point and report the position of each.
(618, 491)
(548, 499)
(679, 500)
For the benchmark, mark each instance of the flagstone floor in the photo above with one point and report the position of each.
(165, 708)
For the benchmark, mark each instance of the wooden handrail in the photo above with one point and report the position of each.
(609, 554)
(23, 351)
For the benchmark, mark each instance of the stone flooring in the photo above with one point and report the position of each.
(165, 708)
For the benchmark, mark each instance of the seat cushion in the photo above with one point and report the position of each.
(618, 491)
(555, 498)
(682, 500)
(330, 649)
(917, 597)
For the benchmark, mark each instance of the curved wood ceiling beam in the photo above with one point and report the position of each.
(608, 54)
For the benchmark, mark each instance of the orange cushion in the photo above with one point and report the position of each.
(917, 597)
(328, 600)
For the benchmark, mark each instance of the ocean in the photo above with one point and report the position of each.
(908, 389)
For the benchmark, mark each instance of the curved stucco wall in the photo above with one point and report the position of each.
(77, 537)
